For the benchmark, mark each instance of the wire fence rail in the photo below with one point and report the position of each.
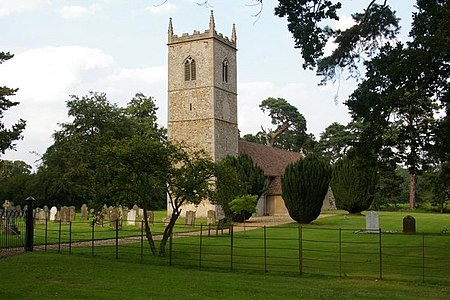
(286, 249)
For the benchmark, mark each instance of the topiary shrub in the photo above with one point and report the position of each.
(304, 186)
(353, 183)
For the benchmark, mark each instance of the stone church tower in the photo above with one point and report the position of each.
(202, 94)
(202, 91)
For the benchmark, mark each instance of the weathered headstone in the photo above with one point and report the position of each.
(372, 221)
(105, 211)
(53, 212)
(64, 214)
(47, 212)
(131, 217)
(150, 217)
(42, 216)
(72, 213)
(84, 213)
(141, 212)
(125, 214)
(409, 224)
(6, 205)
(211, 217)
(114, 219)
(136, 209)
(190, 218)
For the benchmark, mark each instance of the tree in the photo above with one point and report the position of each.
(353, 182)
(242, 205)
(190, 181)
(16, 181)
(304, 186)
(8, 136)
(336, 140)
(137, 166)
(237, 176)
(287, 119)
(441, 187)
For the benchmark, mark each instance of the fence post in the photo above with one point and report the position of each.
(231, 247)
(46, 233)
(423, 256)
(117, 238)
(170, 250)
(142, 239)
(300, 249)
(340, 252)
(29, 234)
(70, 236)
(59, 236)
(381, 254)
(93, 226)
(265, 250)
(200, 250)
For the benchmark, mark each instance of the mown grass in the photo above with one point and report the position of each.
(40, 275)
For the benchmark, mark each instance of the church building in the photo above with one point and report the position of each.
(202, 109)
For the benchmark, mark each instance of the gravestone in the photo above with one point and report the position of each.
(19, 209)
(47, 212)
(190, 218)
(114, 218)
(58, 216)
(125, 214)
(105, 211)
(42, 216)
(150, 217)
(72, 213)
(372, 221)
(6, 205)
(53, 212)
(64, 214)
(211, 217)
(131, 217)
(409, 224)
(136, 209)
(141, 212)
(84, 213)
(110, 210)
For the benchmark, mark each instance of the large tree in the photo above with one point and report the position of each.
(8, 136)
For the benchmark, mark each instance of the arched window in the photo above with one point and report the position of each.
(225, 70)
(189, 69)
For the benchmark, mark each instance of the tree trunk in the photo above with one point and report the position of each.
(148, 234)
(168, 232)
(412, 191)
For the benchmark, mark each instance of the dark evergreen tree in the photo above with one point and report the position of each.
(304, 186)
(353, 182)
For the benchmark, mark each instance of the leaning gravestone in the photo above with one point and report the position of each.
(190, 218)
(211, 217)
(409, 224)
(53, 211)
(372, 222)
(131, 217)
(84, 213)
(136, 209)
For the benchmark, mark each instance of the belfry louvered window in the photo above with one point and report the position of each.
(225, 70)
(189, 69)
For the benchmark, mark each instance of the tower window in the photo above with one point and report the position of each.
(225, 70)
(189, 69)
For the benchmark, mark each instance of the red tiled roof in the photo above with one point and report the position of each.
(272, 160)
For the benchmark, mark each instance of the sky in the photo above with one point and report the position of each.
(64, 48)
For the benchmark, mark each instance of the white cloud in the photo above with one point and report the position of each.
(77, 11)
(8, 7)
(345, 22)
(162, 9)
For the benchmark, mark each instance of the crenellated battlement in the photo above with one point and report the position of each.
(197, 35)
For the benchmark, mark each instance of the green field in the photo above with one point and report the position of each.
(40, 275)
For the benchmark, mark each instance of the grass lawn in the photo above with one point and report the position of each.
(41, 275)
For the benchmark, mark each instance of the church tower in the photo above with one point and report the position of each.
(202, 90)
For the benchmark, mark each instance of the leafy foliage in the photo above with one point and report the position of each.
(353, 182)
(8, 136)
(245, 204)
(304, 186)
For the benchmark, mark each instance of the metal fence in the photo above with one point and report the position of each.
(287, 249)
(12, 231)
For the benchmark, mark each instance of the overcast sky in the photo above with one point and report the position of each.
(119, 47)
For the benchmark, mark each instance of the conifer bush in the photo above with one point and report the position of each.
(353, 183)
(304, 186)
